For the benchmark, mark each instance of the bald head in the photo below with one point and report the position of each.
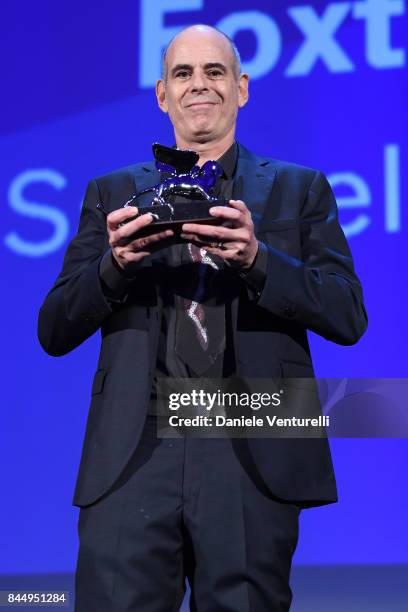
(192, 33)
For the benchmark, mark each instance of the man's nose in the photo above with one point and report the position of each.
(198, 82)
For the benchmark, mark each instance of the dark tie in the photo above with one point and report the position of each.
(200, 328)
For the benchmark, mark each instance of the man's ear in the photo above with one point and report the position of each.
(243, 93)
(161, 95)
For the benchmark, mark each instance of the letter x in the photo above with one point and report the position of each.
(319, 39)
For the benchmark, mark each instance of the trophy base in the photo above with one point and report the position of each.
(174, 215)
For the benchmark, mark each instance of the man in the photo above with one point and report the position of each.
(222, 512)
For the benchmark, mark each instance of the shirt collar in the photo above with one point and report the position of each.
(228, 160)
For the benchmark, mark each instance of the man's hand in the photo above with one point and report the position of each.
(234, 240)
(127, 247)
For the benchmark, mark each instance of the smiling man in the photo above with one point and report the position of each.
(203, 96)
(222, 512)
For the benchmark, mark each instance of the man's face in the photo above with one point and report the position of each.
(201, 91)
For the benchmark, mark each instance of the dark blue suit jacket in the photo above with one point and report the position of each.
(310, 284)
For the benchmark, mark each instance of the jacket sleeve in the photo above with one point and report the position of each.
(320, 291)
(78, 303)
(75, 306)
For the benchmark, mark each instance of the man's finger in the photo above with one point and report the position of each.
(151, 239)
(228, 254)
(135, 242)
(120, 215)
(213, 233)
(238, 205)
(124, 231)
(225, 212)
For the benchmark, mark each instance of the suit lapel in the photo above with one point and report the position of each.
(254, 181)
(146, 176)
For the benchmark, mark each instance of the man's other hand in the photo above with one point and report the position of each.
(234, 240)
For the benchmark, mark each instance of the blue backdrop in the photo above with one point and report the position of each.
(328, 90)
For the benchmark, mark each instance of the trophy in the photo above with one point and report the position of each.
(183, 195)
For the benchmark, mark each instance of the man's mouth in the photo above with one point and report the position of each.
(198, 104)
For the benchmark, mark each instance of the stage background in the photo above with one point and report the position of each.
(328, 90)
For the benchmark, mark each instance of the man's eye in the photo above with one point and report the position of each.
(182, 74)
(215, 73)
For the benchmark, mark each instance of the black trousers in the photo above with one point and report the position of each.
(188, 507)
